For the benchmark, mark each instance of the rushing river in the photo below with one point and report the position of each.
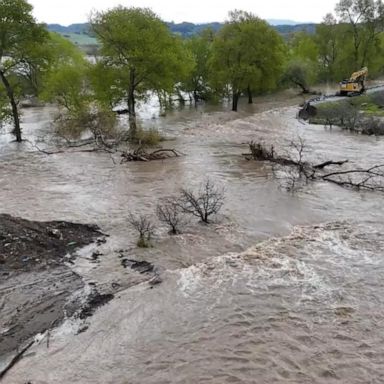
(283, 288)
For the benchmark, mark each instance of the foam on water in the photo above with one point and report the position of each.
(296, 307)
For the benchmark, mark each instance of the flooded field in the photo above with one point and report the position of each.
(282, 288)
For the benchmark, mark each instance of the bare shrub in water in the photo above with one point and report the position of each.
(169, 212)
(144, 227)
(202, 204)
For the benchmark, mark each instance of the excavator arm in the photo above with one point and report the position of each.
(355, 84)
(359, 75)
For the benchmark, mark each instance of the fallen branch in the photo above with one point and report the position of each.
(15, 359)
(66, 150)
(140, 154)
(329, 162)
(300, 172)
(370, 179)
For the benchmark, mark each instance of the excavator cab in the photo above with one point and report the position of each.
(355, 85)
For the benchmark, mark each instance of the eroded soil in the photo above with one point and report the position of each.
(31, 245)
(35, 279)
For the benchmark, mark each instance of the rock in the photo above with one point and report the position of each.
(94, 301)
(55, 233)
(139, 266)
(101, 241)
(155, 280)
(95, 255)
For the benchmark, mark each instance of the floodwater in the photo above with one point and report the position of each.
(282, 288)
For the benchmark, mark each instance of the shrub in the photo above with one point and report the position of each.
(169, 212)
(100, 123)
(144, 227)
(147, 138)
(377, 98)
(203, 204)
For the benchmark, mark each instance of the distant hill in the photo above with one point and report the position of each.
(80, 34)
(287, 30)
(73, 28)
(276, 22)
(186, 29)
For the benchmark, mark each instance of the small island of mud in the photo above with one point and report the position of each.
(35, 279)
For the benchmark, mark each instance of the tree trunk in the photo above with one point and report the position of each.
(235, 100)
(250, 98)
(15, 111)
(195, 97)
(180, 98)
(131, 103)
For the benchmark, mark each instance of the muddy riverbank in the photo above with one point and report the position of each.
(36, 280)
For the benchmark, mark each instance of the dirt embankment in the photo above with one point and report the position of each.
(35, 281)
(30, 245)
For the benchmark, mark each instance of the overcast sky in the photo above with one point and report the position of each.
(197, 11)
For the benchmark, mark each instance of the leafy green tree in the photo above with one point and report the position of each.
(67, 83)
(327, 39)
(299, 73)
(246, 54)
(106, 83)
(140, 53)
(197, 80)
(365, 19)
(302, 68)
(65, 78)
(66, 86)
(303, 46)
(20, 38)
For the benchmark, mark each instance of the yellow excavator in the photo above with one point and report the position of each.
(355, 85)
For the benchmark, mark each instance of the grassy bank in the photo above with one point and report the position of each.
(362, 114)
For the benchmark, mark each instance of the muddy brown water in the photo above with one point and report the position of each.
(283, 288)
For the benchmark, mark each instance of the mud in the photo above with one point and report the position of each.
(30, 245)
(36, 282)
(94, 301)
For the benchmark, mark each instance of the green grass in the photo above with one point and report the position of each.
(371, 109)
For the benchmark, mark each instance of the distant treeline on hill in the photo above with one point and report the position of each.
(184, 29)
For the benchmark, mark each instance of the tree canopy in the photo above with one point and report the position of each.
(246, 53)
(141, 53)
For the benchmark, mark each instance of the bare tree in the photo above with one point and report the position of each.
(207, 202)
(144, 226)
(168, 211)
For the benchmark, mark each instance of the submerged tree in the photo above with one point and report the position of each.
(197, 81)
(169, 212)
(66, 83)
(139, 54)
(299, 73)
(202, 204)
(20, 38)
(145, 228)
(246, 54)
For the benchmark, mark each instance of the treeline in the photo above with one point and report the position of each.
(139, 57)
(186, 29)
(344, 42)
